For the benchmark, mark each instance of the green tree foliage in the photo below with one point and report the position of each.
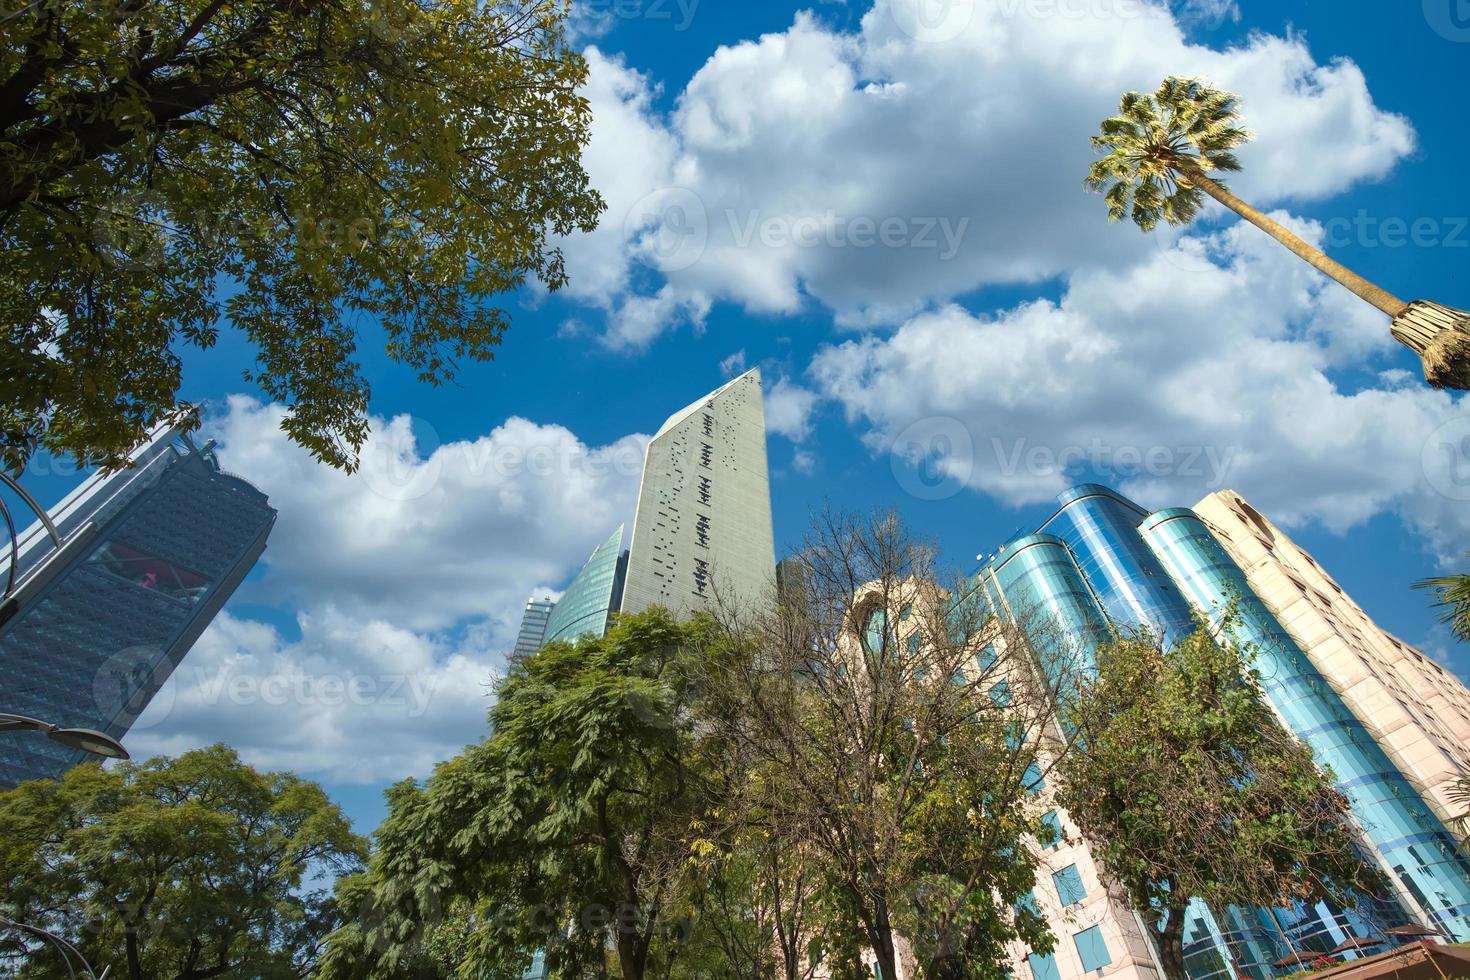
(186, 868)
(1186, 786)
(305, 168)
(1161, 149)
(1452, 598)
(898, 761)
(570, 829)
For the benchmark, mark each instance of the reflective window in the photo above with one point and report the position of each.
(1043, 966)
(1091, 949)
(149, 572)
(1068, 882)
(1052, 823)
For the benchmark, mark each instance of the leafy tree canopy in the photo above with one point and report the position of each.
(570, 829)
(1186, 785)
(189, 868)
(303, 168)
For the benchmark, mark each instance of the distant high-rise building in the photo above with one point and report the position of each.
(592, 597)
(1417, 710)
(1102, 565)
(533, 627)
(98, 620)
(703, 526)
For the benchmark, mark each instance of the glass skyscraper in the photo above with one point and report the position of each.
(533, 627)
(100, 618)
(1101, 565)
(584, 608)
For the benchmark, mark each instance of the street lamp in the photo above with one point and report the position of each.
(66, 949)
(86, 739)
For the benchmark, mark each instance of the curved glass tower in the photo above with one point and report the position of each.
(585, 606)
(1414, 847)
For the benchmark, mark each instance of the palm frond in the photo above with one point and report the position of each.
(1154, 140)
(1453, 601)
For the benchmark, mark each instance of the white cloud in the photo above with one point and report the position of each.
(408, 580)
(1178, 376)
(351, 701)
(734, 364)
(425, 535)
(788, 409)
(883, 171)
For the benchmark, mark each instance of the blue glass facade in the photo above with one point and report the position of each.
(1104, 566)
(1411, 841)
(96, 627)
(584, 608)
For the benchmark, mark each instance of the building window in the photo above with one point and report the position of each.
(905, 613)
(986, 658)
(1001, 693)
(875, 631)
(1068, 882)
(148, 572)
(1053, 824)
(1091, 949)
(1033, 780)
(1043, 966)
(915, 642)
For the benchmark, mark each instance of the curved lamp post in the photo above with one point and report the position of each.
(86, 739)
(66, 949)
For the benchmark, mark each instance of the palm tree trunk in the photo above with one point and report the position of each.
(1360, 287)
(1440, 335)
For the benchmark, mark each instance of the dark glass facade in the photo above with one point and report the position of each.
(96, 627)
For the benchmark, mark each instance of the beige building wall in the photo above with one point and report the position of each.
(1416, 709)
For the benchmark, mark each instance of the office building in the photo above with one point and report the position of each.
(1102, 564)
(1415, 709)
(702, 532)
(589, 601)
(533, 627)
(102, 612)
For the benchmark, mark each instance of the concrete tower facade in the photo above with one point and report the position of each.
(702, 532)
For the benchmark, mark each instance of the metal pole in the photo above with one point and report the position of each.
(20, 491)
(67, 949)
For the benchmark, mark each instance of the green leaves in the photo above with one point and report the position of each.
(178, 865)
(312, 173)
(1156, 143)
(1188, 787)
(1453, 600)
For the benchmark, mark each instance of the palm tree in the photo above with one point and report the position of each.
(1161, 148)
(1453, 603)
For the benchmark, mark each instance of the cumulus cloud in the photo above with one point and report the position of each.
(788, 409)
(350, 701)
(884, 171)
(425, 534)
(406, 582)
(1205, 365)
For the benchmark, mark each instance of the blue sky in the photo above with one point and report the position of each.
(1000, 342)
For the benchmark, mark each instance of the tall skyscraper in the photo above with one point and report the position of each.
(533, 627)
(592, 597)
(98, 620)
(702, 532)
(1100, 564)
(1415, 709)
